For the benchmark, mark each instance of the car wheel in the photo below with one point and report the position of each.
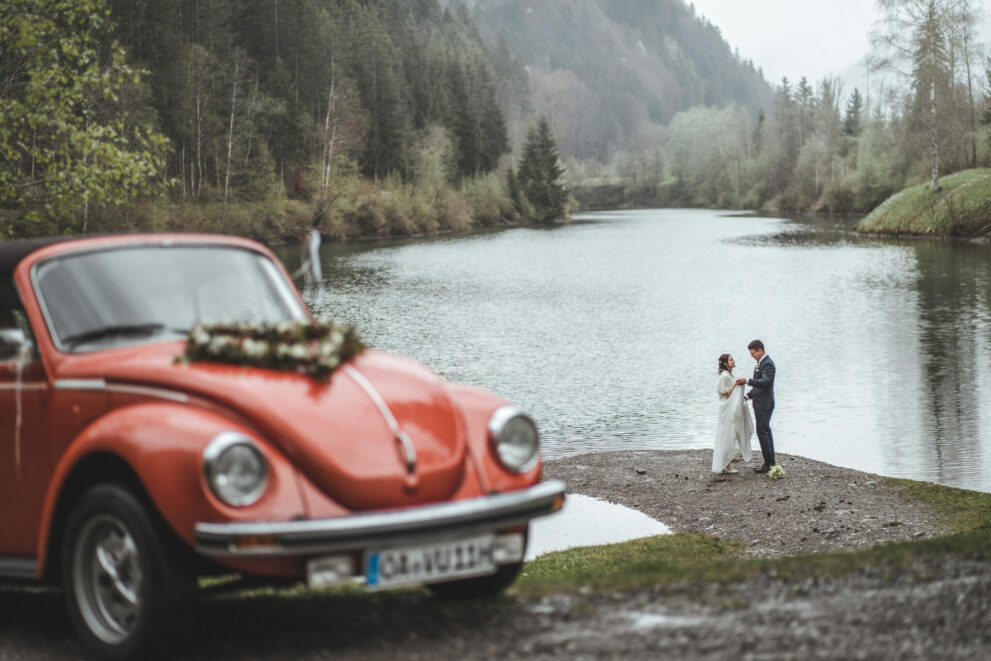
(481, 586)
(126, 594)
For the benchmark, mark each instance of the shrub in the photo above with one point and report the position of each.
(453, 212)
(486, 198)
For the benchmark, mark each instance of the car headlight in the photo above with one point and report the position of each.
(235, 469)
(514, 439)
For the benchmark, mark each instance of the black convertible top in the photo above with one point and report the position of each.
(12, 252)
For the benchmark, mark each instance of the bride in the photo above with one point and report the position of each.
(734, 426)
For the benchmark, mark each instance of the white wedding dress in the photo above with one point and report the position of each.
(734, 426)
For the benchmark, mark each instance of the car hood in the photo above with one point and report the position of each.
(340, 433)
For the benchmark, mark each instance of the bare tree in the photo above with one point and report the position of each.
(235, 84)
(914, 39)
(964, 34)
(342, 127)
(198, 67)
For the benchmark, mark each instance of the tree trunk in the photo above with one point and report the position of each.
(230, 130)
(197, 183)
(970, 95)
(932, 124)
(275, 7)
(329, 137)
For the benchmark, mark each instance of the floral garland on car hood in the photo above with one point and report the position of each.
(313, 348)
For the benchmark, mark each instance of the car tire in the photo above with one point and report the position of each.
(128, 596)
(479, 587)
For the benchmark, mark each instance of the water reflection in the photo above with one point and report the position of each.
(587, 521)
(608, 330)
(953, 288)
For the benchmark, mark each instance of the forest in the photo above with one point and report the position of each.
(262, 117)
(815, 146)
(405, 117)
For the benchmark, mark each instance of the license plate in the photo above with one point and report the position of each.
(429, 563)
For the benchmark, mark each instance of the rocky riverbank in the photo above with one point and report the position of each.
(816, 507)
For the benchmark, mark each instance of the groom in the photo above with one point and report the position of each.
(762, 394)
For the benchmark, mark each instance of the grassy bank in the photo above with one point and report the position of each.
(962, 209)
(358, 208)
(671, 560)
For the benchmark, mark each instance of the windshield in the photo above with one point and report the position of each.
(95, 300)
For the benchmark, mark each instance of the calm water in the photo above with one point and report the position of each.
(607, 330)
(587, 521)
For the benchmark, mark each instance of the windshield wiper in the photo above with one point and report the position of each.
(118, 330)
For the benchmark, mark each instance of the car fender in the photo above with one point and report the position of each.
(163, 445)
(476, 406)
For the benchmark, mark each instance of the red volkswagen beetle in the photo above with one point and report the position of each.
(169, 409)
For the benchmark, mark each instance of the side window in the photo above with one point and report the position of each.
(12, 316)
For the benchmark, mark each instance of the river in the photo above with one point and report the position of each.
(607, 330)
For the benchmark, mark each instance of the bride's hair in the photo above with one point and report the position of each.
(723, 366)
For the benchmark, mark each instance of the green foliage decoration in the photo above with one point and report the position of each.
(67, 138)
(313, 348)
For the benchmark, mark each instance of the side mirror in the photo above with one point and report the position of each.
(14, 344)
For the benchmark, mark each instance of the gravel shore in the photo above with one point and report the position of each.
(939, 607)
(816, 507)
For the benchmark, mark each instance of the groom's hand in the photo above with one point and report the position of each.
(740, 382)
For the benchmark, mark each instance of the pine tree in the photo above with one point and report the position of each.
(540, 171)
(757, 136)
(379, 85)
(931, 76)
(513, 190)
(495, 140)
(854, 110)
(804, 110)
(986, 115)
(463, 122)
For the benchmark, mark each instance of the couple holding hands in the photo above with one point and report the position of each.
(734, 426)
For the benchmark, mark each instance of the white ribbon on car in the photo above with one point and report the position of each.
(20, 361)
(310, 267)
(409, 450)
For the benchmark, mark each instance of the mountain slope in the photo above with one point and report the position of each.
(601, 68)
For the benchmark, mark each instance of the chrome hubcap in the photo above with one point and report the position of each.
(107, 578)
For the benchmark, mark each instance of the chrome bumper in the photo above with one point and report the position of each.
(380, 528)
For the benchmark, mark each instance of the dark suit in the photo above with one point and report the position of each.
(762, 394)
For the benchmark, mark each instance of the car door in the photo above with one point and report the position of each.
(24, 461)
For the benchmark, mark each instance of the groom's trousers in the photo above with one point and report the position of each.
(763, 417)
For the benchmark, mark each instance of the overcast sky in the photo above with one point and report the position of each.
(795, 38)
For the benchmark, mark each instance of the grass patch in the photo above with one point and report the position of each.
(962, 208)
(962, 511)
(626, 564)
(592, 569)
(681, 559)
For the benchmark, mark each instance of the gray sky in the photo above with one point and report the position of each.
(795, 38)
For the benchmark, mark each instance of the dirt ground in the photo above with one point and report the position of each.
(940, 608)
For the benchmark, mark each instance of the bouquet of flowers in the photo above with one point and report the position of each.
(314, 348)
(776, 472)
